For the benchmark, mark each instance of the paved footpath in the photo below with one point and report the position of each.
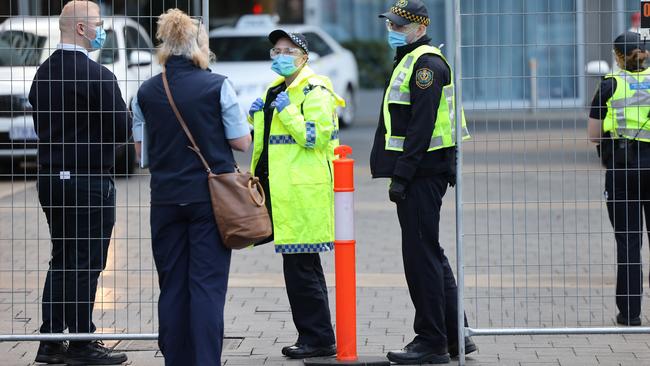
(539, 253)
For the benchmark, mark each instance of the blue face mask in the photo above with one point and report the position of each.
(284, 65)
(397, 39)
(100, 38)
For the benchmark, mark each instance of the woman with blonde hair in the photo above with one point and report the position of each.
(619, 122)
(191, 260)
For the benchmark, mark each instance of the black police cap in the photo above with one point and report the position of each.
(296, 38)
(407, 11)
(628, 42)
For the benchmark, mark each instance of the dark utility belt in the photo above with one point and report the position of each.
(621, 151)
(63, 172)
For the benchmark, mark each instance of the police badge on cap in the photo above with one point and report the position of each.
(408, 11)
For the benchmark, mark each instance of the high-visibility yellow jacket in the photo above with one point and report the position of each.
(628, 110)
(398, 92)
(300, 152)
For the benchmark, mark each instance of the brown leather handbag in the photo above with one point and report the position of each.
(238, 199)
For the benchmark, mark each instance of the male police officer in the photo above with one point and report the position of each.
(415, 147)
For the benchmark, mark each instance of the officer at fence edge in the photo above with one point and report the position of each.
(414, 146)
(619, 121)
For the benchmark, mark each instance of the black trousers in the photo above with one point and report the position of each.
(193, 266)
(80, 213)
(307, 292)
(627, 190)
(431, 282)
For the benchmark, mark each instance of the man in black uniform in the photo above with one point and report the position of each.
(415, 147)
(80, 117)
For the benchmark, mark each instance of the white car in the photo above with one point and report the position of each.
(243, 56)
(25, 42)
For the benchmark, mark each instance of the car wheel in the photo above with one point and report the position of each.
(346, 115)
(124, 160)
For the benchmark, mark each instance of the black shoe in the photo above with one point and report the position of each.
(288, 348)
(470, 347)
(51, 352)
(417, 353)
(300, 351)
(93, 353)
(624, 320)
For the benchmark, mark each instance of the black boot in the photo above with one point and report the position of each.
(417, 353)
(300, 351)
(93, 353)
(626, 320)
(470, 347)
(51, 352)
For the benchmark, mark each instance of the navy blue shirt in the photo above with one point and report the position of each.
(79, 114)
(177, 174)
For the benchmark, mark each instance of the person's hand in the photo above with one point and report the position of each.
(282, 101)
(397, 190)
(257, 106)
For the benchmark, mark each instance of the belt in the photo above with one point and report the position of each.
(59, 171)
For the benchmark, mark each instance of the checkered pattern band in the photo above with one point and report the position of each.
(310, 134)
(281, 140)
(297, 41)
(289, 140)
(410, 16)
(304, 248)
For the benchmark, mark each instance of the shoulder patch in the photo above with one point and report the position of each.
(424, 78)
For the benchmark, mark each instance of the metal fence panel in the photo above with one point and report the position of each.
(539, 255)
(127, 293)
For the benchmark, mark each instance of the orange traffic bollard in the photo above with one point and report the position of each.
(344, 256)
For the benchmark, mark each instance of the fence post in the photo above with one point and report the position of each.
(532, 63)
(206, 15)
(458, 112)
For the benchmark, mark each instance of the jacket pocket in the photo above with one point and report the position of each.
(309, 168)
(309, 176)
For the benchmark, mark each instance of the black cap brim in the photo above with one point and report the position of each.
(277, 34)
(395, 18)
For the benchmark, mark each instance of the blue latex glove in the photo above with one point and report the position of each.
(282, 101)
(257, 106)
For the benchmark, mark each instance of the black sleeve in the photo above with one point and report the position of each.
(430, 75)
(116, 118)
(599, 104)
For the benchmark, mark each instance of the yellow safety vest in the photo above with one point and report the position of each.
(300, 152)
(398, 92)
(629, 107)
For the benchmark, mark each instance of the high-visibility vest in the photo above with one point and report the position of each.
(301, 146)
(398, 92)
(628, 110)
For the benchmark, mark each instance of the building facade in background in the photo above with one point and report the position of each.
(514, 51)
(505, 43)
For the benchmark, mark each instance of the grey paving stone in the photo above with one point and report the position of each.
(511, 219)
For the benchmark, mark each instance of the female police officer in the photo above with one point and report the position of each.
(296, 129)
(619, 121)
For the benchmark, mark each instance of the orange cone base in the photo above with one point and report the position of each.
(361, 361)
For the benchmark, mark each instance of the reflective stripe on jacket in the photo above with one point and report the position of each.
(300, 152)
(398, 92)
(628, 110)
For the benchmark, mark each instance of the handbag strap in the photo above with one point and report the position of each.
(194, 146)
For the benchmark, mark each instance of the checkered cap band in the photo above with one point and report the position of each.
(298, 42)
(410, 16)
